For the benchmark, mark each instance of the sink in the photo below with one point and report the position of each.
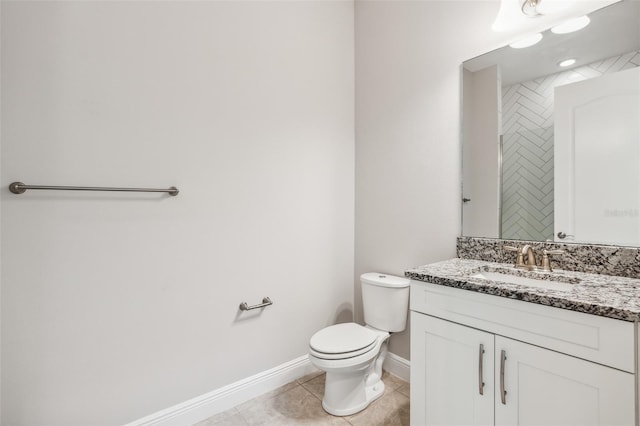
(546, 281)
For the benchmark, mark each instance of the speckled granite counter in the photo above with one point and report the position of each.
(604, 295)
(592, 258)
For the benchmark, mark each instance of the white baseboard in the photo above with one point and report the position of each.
(397, 366)
(219, 400)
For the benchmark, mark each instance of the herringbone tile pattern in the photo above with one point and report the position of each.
(527, 150)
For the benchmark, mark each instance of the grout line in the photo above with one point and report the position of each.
(302, 385)
(308, 391)
(319, 373)
(313, 394)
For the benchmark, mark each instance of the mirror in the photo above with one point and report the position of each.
(552, 153)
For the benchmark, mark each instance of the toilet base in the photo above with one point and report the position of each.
(348, 407)
(350, 391)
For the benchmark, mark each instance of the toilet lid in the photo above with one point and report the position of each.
(342, 338)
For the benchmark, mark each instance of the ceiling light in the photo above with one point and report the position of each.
(571, 25)
(527, 41)
(574, 76)
(567, 62)
(550, 7)
(530, 7)
(515, 13)
(510, 16)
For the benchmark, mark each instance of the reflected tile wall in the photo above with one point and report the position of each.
(527, 147)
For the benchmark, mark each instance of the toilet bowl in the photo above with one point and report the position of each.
(352, 355)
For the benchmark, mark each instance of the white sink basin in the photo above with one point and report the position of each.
(529, 282)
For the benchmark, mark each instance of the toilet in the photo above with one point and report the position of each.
(351, 354)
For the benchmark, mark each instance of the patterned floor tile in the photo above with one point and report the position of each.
(300, 403)
(294, 407)
(392, 409)
(310, 376)
(391, 382)
(227, 418)
(316, 386)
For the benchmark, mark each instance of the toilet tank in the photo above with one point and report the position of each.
(385, 300)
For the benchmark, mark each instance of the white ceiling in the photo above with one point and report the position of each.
(614, 30)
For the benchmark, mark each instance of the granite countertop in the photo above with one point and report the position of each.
(603, 295)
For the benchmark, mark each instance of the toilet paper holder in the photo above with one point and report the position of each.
(265, 302)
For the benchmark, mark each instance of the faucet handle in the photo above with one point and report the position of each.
(519, 259)
(553, 251)
(546, 264)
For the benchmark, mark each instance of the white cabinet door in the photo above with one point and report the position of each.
(544, 387)
(449, 364)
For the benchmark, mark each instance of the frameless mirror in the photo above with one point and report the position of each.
(551, 152)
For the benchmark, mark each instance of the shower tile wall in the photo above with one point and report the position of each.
(527, 151)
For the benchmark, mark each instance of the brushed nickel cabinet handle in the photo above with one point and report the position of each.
(480, 375)
(503, 392)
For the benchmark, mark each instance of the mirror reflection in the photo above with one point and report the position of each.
(551, 135)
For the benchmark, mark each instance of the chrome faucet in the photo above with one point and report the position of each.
(530, 255)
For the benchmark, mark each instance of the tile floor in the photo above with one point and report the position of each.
(299, 403)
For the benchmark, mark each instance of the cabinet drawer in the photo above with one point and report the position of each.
(603, 340)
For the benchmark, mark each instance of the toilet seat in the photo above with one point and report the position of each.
(342, 341)
(343, 355)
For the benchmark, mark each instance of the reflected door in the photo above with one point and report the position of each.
(597, 159)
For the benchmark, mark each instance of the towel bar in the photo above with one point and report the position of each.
(21, 188)
(265, 302)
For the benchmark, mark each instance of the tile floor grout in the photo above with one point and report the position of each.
(300, 402)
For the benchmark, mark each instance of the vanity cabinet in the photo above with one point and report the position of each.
(485, 360)
(544, 387)
(449, 364)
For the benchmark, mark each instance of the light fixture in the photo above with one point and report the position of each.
(530, 7)
(510, 16)
(527, 41)
(567, 62)
(514, 13)
(571, 25)
(551, 7)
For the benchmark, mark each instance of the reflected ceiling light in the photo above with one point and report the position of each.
(574, 76)
(571, 25)
(514, 13)
(567, 62)
(527, 41)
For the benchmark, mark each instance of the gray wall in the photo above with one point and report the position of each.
(117, 306)
(481, 153)
(408, 56)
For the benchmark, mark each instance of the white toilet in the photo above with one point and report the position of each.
(352, 355)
